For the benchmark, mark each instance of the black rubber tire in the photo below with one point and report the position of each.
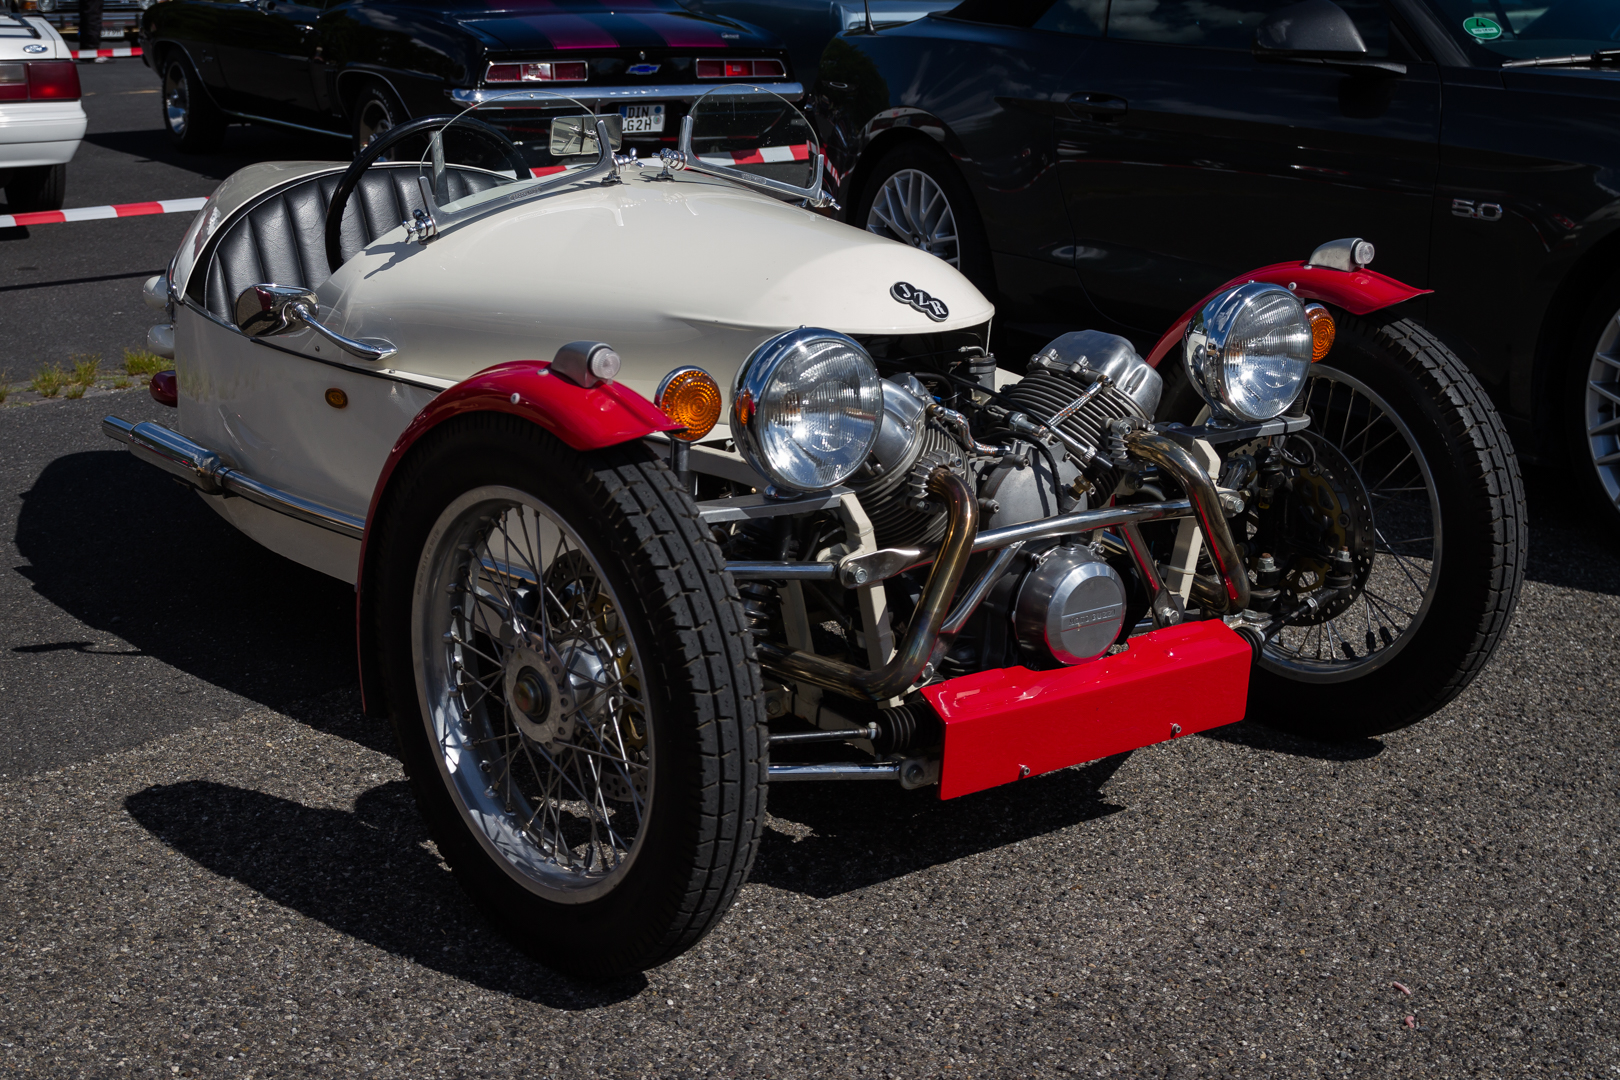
(204, 125)
(1588, 331)
(1485, 537)
(373, 102)
(973, 249)
(708, 806)
(42, 187)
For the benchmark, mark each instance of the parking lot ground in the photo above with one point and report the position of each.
(210, 864)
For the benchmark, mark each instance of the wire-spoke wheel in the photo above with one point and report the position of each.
(912, 208)
(530, 680)
(1363, 482)
(573, 688)
(1404, 523)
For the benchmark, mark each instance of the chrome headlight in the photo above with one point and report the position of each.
(807, 408)
(1248, 351)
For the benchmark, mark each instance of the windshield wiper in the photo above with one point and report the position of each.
(1602, 56)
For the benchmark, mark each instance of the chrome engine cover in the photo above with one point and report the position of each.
(1109, 355)
(1070, 608)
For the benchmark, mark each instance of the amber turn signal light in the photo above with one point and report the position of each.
(690, 397)
(337, 398)
(1322, 330)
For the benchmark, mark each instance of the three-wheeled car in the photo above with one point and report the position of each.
(659, 487)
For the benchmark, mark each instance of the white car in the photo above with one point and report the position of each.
(658, 488)
(41, 118)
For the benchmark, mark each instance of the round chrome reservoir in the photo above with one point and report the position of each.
(1070, 607)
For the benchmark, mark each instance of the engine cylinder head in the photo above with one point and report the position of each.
(1070, 608)
(904, 440)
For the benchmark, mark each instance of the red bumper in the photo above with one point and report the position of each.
(1003, 725)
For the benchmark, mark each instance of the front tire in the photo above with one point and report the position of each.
(42, 187)
(916, 196)
(1439, 505)
(573, 689)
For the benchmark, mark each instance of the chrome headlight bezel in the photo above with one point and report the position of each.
(1216, 340)
(758, 428)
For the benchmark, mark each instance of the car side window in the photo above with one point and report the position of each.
(1227, 24)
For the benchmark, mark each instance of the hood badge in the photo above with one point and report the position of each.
(907, 293)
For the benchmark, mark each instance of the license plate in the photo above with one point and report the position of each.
(642, 119)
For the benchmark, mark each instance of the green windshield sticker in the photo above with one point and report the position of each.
(1482, 28)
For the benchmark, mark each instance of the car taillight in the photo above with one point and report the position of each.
(13, 82)
(53, 80)
(552, 71)
(740, 69)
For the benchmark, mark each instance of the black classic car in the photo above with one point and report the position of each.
(1106, 166)
(359, 67)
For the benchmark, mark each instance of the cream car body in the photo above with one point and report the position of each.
(687, 271)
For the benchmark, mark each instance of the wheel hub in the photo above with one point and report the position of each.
(539, 699)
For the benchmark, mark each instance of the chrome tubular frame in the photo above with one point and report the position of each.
(914, 651)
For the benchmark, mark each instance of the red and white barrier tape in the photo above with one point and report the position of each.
(765, 155)
(90, 54)
(93, 213)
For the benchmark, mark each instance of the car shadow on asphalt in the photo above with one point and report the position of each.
(368, 874)
(860, 834)
(126, 551)
(1572, 543)
(1257, 737)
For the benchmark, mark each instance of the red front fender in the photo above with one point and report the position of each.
(1356, 291)
(585, 419)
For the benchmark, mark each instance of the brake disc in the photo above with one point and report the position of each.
(1326, 509)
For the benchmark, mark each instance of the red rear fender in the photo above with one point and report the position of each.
(1356, 291)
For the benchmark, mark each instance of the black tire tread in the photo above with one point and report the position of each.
(1481, 591)
(708, 659)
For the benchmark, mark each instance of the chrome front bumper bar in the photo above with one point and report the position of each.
(202, 469)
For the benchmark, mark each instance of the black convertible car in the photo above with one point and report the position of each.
(358, 67)
(1108, 165)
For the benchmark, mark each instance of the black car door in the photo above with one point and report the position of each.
(266, 53)
(1189, 160)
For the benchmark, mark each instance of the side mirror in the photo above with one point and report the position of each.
(1317, 32)
(267, 310)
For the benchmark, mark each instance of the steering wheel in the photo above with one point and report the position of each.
(391, 138)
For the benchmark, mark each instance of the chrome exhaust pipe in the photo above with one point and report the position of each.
(203, 469)
(1231, 593)
(913, 653)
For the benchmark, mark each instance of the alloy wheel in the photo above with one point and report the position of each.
(532, 689)
(911, 208)
(1602, 409)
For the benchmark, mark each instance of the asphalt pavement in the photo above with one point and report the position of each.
(210, 865)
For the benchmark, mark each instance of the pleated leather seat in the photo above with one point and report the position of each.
(282, 240)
